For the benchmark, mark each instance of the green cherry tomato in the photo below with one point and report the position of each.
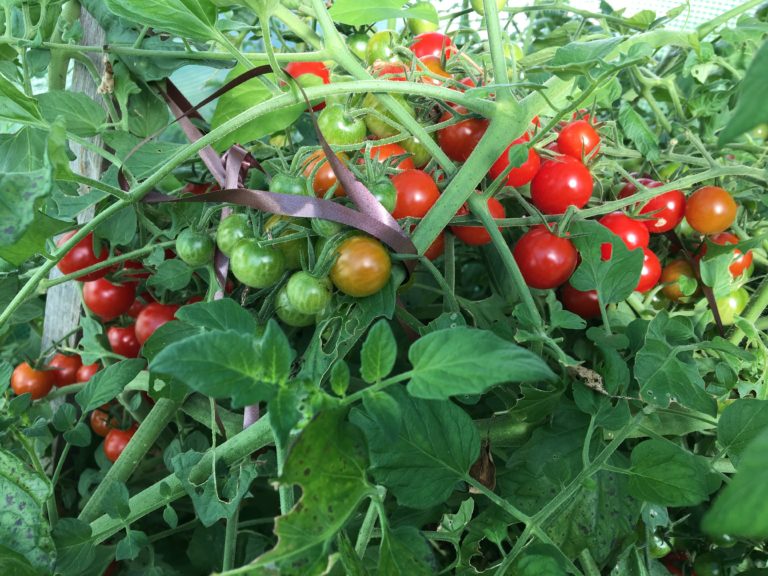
(386, 193)
(257, 266)
(375, 124)
(421, 155)
(231, 230)
(732, 305)
(357, 43)
(707, 564)
(760, 132)
(286, 184)
(340, 128)
(724, 540)
(658, 547)
(477, 5)
(325, 228)
(288, 314)
(293, 250)
(194, 248)
(420, 26)
(381, 46)
(307, 294)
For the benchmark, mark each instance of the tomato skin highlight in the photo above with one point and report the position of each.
(80, 256)
(362, 267)
(651, 272)
(545, 260)
(416, 194)
(86, 371)
(561, 183)
(26, 379)
(116, 441)
(670, 276)
(460, 139)
(151, 318)
(578, 139)
(434, 44)
(580, 302)
(710, 210)
(478, 235)
(123, 341)
(383, 152)
(107, 300)
(666, 211)
(65, 369)
(632, 232)
(521, 175)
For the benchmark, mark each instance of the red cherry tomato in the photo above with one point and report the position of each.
(667, 209)
(560, 183)
(135, 265)
(82, 256)
(416, 193)
(139, 304)
(437, 247)
(123, 341)
(390, 71)
(433, 44)
(325, 177)
(107, 300)
(460, 139)
(651, 272)
(383, 152)
(740, 262)
(101, 422)
(318, 69)
(710, 210)
(584, 304)
(28, 380)
(632, 232)
(65, 369)
(521, 175)
(198, 188)
(477, 235)
(86, 372)
(435, 66)
(578, 139)
(116, 441)
(151, 318)
(545, 260)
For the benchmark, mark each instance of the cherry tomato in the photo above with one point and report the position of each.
(134, 265)
(416, 193)
(421, 154)
(287, 314)
(578, 139)
(670, 277)
(386, 193)
(377, 125)
(86, 372)
(732, 305)
(419, 26)
(545, 260)
(667, 209)
(710, 210)
(392, 71)
(479, 7)
(194, 248)
(632, 232)
(325, 178)
(230, 231)
(198, 188)
(82, 255)
(107, 300)
(460, 139)
(116, 441)
(65, 369)
(28, 380)
(340, 128)
(437, 247)
(362, 267)
(707, 564)
(257, 266)
(151, 318)
(560, 183)
(309, 74)
(139, 304)
(740, 262)
(583, 303)
(651, 272)
(477, 235)
(123, 341)
(102, 422)
(521, 175)
(658, 547)
(308, 295)
(435, 66)
(357, 43)
(295, 250)
(381, 46)
(283, 183)
(434, 44)
(383, 152)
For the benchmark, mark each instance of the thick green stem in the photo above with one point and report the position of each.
(757, 305)
(588, 564)
(705, 29)
(230, 540)
(298, 26)
(366, 530)
(285, 491)
(57, 69)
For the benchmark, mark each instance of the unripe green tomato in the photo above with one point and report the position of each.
(376, 125)
(708, 564)
(732, 305)
(284, 183)
(421, 155)
(658, 547)
(340, 128)
(288, 314)
(386, 193)
(420, 26)
(477, 6)
(357, 44)
(725, 540)
(230, 231)
(326, 228)
(760, 132)
(293, 250)
(256, 266)
(381, 46)
(668, 170)
(194, 248)
(307, 294)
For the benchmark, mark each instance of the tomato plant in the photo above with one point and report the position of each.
(362, 267)
(65, 367)
(151, 318)
(560, 183)
(107, 300)
(28, 380)
(416, 193)
(115, 442)
(545, 259)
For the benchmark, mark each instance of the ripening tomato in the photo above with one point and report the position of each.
(578, 139)
(362, 267)
(651, 272)
(28, 380)
(740, 262)
(198, 188)
(107, 300)
(670, 277)
(325, 177)
(82, 255)
(383, 152)
(710, 210)
(309, 74)
(632, 232)
(434, 66)
(478, 235)
(521, 175)
(116, 441)
(86, 372)
(434, 44)
(545, 260)
(560, 183)
(416, 193)
(151, 318)
(460, 139)
(583, 303)
(381, 122)
(65, 369)
(385, 192)
(123, 341)
(102, 422)
(667, 209)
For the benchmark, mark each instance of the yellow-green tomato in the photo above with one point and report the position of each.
(419, 25)
(375, 123)
(381, 47)
(760, 132)
(287, 314)
(732, 305)
(421, 154)
(477, 5)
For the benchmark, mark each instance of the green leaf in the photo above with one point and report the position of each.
(750, 110)
(665, 474)
(435, 448)
(614, 279)
(120, 227)
(362, 12)
(379, 352)
(16, 564)
(144, 161)
(284, 411)
(741, 510)
(130, 547)
(739, 424)
(147, 114)
(187, 18)
(468, 361)
(585, 52)
(15, 106)
(385, 411)
(21, 191)
(276, 355)
(23, 150)
(84, 117)
(244, 97)
(328, 462)
(170, 517)
(116, 503)
(33, 240)
(340, 378)
(171, 275)
(224, 314)
(106, 384)
(74, 547)
(636, 129)
(79, 436)
(540, 560)
(405, 551)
